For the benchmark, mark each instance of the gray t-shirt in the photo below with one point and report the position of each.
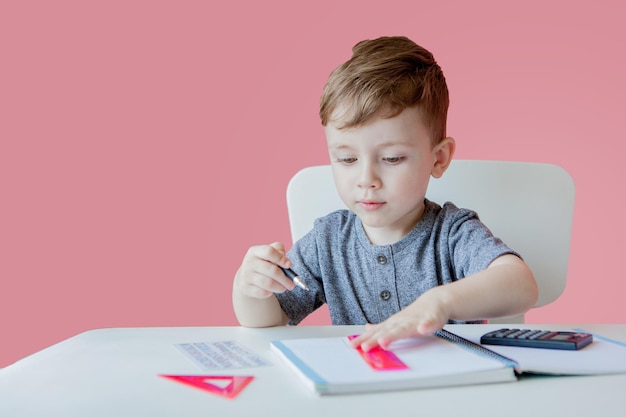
(366, 283)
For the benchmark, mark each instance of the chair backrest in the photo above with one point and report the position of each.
(528, 205)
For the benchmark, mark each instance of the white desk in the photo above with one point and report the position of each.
(113, 373)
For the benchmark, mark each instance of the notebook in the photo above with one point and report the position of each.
(330, 365)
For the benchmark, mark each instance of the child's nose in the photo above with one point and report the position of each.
(368, 178)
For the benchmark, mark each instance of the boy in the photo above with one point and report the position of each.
(395, 261)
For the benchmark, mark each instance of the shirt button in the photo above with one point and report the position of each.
(385, 295)
(382, 259)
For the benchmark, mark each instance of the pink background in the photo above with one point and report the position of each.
(145, 145)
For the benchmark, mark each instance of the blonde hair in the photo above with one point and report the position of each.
(384, 77)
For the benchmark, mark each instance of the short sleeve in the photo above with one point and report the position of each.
(472, 245)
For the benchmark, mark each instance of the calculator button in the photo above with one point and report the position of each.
(530, 334)
(514, 334)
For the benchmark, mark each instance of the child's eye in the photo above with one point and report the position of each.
(346, 160)
(393, 159)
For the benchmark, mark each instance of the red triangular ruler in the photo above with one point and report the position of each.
(234, 383)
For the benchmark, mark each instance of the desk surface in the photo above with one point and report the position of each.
(114, 372)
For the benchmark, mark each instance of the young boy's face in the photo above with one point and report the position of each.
(382, 170)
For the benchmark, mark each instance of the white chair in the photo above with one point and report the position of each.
(528, 205)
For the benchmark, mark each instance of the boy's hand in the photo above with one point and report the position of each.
(259, 275)
(425, 315)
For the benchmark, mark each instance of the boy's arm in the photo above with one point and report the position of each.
(507, 287)
(255, 283)
(257, 312)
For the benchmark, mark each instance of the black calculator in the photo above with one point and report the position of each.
(546, 339)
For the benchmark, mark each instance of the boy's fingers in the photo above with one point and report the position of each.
(278, 246)
(283, 261)
(262, 268)
(272, 259)
(367, 339)
(269, 279)
(273, 253)
(428, 327)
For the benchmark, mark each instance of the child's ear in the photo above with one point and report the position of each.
(443, 153)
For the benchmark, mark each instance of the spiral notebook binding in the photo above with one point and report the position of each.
(476, 348)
